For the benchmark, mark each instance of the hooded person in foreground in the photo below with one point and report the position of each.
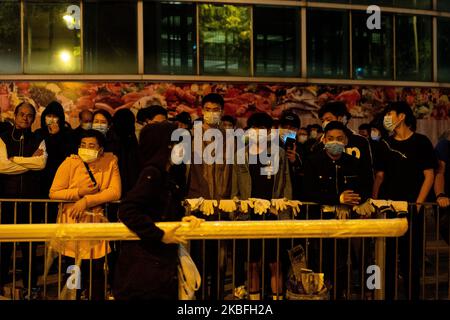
(147, 269)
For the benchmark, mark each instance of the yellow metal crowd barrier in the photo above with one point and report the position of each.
(213, 230)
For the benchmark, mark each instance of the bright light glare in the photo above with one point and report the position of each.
(69, 19)
(65, 56)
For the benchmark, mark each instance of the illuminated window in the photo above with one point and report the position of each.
(52, 37)
(225, 32)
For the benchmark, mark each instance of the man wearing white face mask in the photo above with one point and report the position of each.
(90, 179)
(248, 182)
(405, 172)
(211, 182)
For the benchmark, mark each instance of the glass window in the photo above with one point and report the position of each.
(10, 37)
(170, 38)
(328, 44)
(372, 49)
(225, 32)
(110, 36)
(444, 5)
(413, 48)
(52, 37)
(414, 4)
(276, 40)
(443, 49)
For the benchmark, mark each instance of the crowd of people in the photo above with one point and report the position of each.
(128, 158)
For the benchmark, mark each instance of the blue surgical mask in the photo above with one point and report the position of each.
(375, 136)
(102, 127)
(335, 148)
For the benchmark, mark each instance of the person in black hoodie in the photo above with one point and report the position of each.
(147, 269)
(60, 143)
(124, 145)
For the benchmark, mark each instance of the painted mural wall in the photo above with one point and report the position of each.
(241, 100)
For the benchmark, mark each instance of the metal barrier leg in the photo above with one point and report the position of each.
(423, 244)
(263, 269)
(380, 261)
(13, 292)
(30, 254)
(46, 254)
(436, 295)
(204, 277)
(335, 275)
(349, 268)
(105, 272)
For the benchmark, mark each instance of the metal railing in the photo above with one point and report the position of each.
(338, 248)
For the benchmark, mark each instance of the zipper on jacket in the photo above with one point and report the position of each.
(21, 155)
(336, 180)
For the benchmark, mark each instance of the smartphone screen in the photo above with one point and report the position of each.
(290, 143)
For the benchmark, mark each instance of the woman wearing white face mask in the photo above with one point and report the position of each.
(102, 121)
(90, 179)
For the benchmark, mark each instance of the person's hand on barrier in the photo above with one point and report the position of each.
(227, 206)
(342, 212)
(443, 201)
(171, 237)
(350, 198)
(193, 221)
(295, 205)
(207, 207)
(245, 204)
(90, 189)
(260, 205)
(279, 205)
(365, 209)
(77, 209)
(195, 203)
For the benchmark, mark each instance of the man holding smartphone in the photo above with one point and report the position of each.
(289, 126)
